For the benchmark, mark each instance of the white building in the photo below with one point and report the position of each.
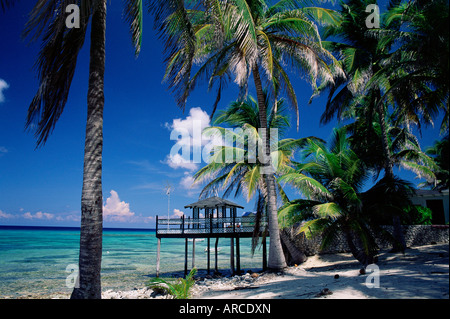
(437, 201)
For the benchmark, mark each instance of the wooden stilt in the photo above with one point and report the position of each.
(193, 252)
(215, 253)
(238, 256)
(232, 255)
(209, 256)
(185, 257)
(158, 254)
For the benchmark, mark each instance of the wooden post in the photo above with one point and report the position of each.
(215, 252)
(209, 255)
(182, 225)
(193, 252)
(232, 255)
(210, 224)
(158, 257)
(185, 256)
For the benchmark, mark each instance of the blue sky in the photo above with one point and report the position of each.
(43, 186)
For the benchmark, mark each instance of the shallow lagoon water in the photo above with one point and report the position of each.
(33, 260)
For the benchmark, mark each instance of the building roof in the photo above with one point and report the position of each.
(213, 202)
(428, 192)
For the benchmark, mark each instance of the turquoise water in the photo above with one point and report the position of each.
(33, 260)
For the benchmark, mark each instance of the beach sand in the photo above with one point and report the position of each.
(422, 272)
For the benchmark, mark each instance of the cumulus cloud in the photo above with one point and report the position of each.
(187, 182)
(177, 213)
(5, 215)
(117, 210)
(38, 215)
(193, 124)
(177, 161)
(3, 86)
(188, 136)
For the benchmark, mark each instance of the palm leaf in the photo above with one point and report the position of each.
(314, 227)
(134, 16)
(324, 16)
(56, 64)
(327, 210)
(310, 187)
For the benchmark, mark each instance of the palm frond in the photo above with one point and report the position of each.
(327, 210)
(56, 63)
(134, 16)
(314, 227)
(177, 32)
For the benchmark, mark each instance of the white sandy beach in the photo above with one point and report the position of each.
(422, 272)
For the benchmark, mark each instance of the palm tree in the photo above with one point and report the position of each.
(56, 66)
(332, 182)
(416, 72)
(440, 153)
(232, 40)
(368, 62)
(404, 147)
(242, 173)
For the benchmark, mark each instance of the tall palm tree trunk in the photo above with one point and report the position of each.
(91, 198)
(296, 255)
(276, 256)
(400, 243)
(359, 254)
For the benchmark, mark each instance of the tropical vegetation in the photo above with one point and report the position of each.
(233, 40)
(331, 180)
(241, 173)
(387, 78)
(439, 151)
(179, 288)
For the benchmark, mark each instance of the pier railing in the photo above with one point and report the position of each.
(186, 226)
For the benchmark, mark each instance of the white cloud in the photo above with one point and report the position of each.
(177, 213)
(116, 210)
(187, 182)
(38, 215)
(70, 217)
(187, 133)
(193, 124)
(3, 86)
(177, 161)
(5, 215)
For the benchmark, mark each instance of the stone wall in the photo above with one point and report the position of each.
(415, 235)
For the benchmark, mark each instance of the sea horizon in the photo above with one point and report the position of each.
(70, 227)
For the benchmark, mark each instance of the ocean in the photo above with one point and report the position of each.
(33, 260)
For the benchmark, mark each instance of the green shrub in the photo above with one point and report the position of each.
(179, 288)
(417, 215)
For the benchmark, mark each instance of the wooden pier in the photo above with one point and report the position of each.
(219, 220)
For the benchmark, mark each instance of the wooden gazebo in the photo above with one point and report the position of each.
(218, 219)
